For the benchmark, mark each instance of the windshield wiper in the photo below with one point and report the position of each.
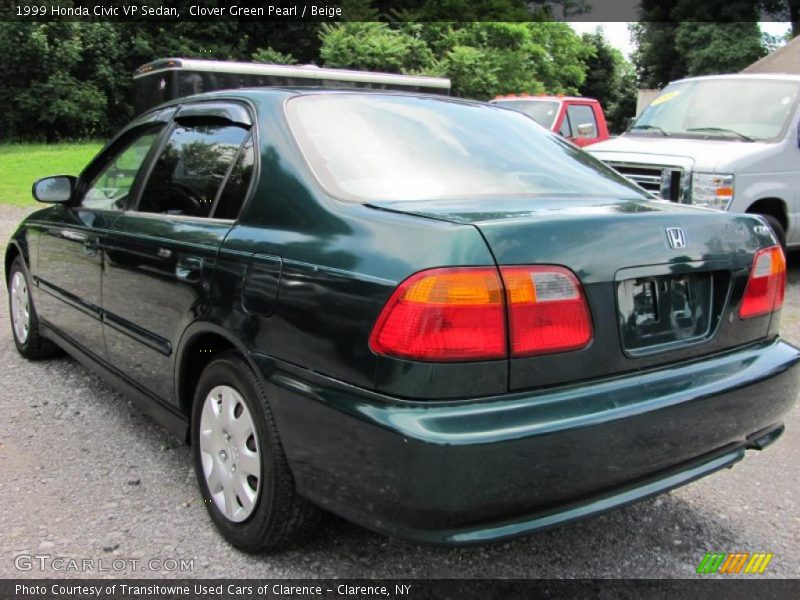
(650, 128)
(741, 136)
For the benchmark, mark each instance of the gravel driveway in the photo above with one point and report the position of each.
(84, 475)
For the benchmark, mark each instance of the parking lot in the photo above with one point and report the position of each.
(84, 475)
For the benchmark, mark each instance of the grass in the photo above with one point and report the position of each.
(22, 164)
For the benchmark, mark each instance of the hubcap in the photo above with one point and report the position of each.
(230, 453)
(20, 307)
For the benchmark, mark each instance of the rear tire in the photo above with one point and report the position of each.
(777, 229)
(24, 322)
(241, 468)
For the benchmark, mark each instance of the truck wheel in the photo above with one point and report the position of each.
(24, 322)
(777, 229)
(241, 468)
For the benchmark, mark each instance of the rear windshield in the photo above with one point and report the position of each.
(371, 147)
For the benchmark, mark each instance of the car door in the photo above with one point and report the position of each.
(71, 246)
(162, 252)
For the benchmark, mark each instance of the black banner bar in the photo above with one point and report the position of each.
(175, 11)
(733, 588)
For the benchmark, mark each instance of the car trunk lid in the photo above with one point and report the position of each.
(663, 281)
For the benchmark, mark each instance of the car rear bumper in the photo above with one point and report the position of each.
(486, 469)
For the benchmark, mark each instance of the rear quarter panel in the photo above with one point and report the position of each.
(339, 263)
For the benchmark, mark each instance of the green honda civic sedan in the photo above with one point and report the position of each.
(429, 316)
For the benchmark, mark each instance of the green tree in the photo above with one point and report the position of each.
(59, 79)
(272, 56)
(710, 48)
(482, 59)
(655, 58)
(611, 79)
(372, 46)
(465, 10)
(676, 38)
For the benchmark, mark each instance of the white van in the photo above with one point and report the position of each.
(729, 142)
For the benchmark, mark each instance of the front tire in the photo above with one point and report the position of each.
(241, 469)
(24, 322)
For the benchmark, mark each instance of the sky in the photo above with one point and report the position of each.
(618, 36)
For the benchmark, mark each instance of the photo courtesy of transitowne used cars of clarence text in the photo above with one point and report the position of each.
(430, 316)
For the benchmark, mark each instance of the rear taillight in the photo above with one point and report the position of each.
(547, 310)
(444, 315)
(459, 314)
(766, 285)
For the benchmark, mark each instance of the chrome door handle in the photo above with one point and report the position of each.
(189, 268)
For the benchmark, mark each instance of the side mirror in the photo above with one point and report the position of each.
(57, 189)
(586, 130)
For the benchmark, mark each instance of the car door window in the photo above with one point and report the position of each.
(580, 114)
(189, 173)
(111, 188)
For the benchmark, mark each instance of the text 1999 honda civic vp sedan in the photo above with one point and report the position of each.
(429, 316)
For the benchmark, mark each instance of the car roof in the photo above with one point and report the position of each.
(256, 93)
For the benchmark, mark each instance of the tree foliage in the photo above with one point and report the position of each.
(73, 80)
(679, 38)
(372, 46)
(611, 79)
(481, 59)
(713, 48)
(271, 56)
(59, 78)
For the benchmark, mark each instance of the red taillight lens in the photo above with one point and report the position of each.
(444, 315)
(547, 310)
(765, 288)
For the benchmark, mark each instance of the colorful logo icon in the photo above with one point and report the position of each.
(732, 563)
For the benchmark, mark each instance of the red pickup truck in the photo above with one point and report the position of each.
(580, 120)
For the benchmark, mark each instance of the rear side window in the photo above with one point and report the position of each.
(580, 114)
(188, 175)
(235, 190)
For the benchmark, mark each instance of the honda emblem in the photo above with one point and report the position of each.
(676, 238)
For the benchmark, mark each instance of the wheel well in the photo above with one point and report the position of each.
(773, 207)
(199, 351)
(12, 253)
